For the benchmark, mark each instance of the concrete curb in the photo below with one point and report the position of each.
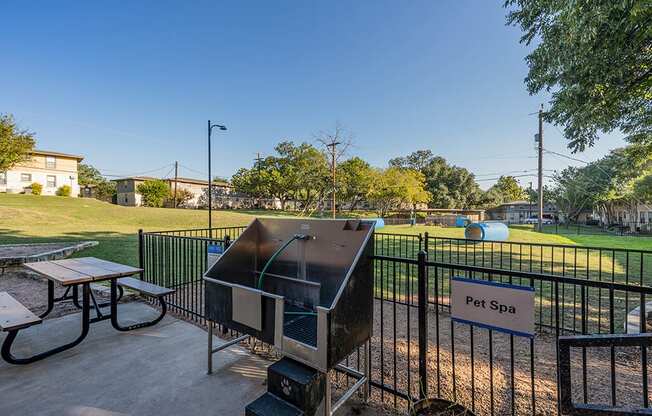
(51, 251)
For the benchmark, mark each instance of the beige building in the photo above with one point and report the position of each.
(50, 169)
(127, 193)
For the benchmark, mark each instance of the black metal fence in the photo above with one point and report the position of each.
(418, 351)
(632, 229)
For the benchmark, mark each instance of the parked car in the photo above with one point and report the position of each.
(535, 220)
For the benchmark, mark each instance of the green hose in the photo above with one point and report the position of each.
(269, 262)
(271, 259)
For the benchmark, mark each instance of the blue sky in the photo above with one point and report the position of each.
(130, 85)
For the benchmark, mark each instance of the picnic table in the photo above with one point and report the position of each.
(75, 274)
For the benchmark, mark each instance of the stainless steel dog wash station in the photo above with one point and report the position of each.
(305, 287)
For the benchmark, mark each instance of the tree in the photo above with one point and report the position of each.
(154, 192)
(621, 179)
(418, 160)
(298, 172)
(394, 187)
(183, 196)
(105, 190)
(596, 58)
(355, 181)
(506, 189)
(449, 186)
(16, 145)
(88, 175)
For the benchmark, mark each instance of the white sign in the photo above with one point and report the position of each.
(500, 306)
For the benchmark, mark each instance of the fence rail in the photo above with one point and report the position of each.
(418, 351)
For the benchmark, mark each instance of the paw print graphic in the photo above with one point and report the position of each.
(285, 387)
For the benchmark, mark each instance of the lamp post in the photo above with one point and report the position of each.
(210, 179)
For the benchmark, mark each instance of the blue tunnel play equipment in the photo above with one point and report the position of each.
(487, 231)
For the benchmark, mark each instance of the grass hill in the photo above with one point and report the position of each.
(30, 218)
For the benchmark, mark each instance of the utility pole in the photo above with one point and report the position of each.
(176, 179)
(540, 187)
(332, 148)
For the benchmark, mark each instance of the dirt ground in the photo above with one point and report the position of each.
(484, 388)
(31, 290)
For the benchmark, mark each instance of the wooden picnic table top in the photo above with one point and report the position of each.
(81, 270)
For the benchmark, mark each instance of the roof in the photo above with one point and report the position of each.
(199, 181)
(136, 178)
(547, 206)
(179, 180)
(517, 203)
(453, 210)
(59, 154)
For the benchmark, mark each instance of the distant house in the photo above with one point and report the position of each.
(634, 218)
(516, 212)
(50, 169)
(127, 193)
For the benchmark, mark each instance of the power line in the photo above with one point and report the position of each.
(510, 172)
(133, 174)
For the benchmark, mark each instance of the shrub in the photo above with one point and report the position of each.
(64, 190)
(154, 192)
(37, 188)
(183, 197)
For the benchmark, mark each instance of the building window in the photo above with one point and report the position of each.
(51, 181)
(3, 178)
(50, 162)
(25, 177)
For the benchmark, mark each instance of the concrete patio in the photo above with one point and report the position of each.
(152, 371)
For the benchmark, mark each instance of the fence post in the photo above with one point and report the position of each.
(422, 277)
(425, 236)
(141, 255)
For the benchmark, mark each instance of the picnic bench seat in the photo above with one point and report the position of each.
(15, 316)
(147, 289)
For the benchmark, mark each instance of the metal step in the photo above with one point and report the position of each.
(270, 405)
(298, 384)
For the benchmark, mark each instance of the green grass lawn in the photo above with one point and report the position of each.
(28, 218)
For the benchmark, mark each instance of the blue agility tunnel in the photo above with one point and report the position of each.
(487, 231)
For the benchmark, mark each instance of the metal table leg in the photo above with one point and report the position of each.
(85, 320)
(51, 300)
(114, 311)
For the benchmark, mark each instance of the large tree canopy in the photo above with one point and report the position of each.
(298, 172)
(354, 179)
(449, 186)
(620, 180)
(506, 189)
(596, 58)
(395, 187)
(16, 145)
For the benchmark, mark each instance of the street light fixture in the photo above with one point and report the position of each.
(210, 179)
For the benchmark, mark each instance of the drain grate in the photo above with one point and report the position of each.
(300, 328)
